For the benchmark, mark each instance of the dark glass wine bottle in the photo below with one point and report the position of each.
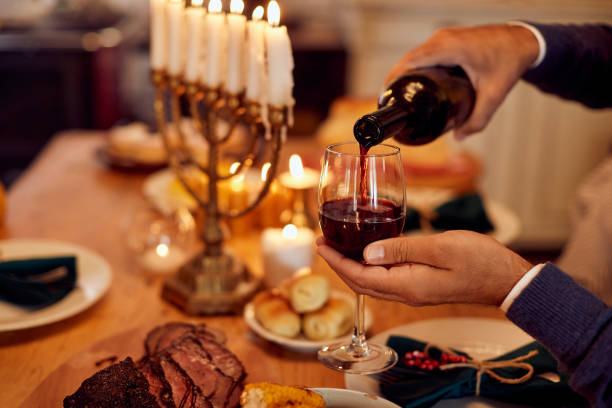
(418, 107)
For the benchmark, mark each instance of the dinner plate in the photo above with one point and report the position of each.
(300, 343)
(479, 337)
(339, 398)
(93, 280)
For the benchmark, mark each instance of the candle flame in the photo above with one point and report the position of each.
(162, 250)
(215, 6)
(236, 6)
(258, 13)
(196, 3)
(234, 167)
(273, 13)
(264, 171)
(290, 231)
(295, 166)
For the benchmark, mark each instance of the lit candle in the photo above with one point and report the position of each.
(280, 59)
(163, 258)
(236, 25)
(216, 42)
(285, 251)
(256, 74)
(298, 177)
(195, 21)
(158, 34)
(273, 204)
(176, 19)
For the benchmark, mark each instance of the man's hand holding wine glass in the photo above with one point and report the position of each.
(454, 266)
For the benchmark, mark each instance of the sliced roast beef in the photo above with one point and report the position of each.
(158, 387)
(227, 361)
(184, 392)
(119, 385)
(163, 336)
(196, 363)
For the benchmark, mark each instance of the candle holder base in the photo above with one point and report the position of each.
(210, 285)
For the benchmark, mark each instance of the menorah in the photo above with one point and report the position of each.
(214, 281)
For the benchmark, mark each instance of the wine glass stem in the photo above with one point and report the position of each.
(359, 346)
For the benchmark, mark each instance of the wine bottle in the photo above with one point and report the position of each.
(418, 107)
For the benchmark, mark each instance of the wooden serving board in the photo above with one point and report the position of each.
(65, 379)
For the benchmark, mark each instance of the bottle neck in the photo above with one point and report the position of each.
(375, 127)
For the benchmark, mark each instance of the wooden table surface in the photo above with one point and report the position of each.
(69, 195)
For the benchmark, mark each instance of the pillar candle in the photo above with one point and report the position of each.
(256, 74)
(176, 20)
(158, 27)
(285, 251)
(195, 24)
(215, 44)
(236, 25)
(280, 59)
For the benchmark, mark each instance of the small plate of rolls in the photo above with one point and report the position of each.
(303, 314)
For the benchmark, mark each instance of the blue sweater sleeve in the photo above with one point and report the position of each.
(574, 325)
(578, 63)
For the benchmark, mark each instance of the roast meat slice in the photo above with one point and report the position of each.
(119, 385)
(224, 359)
(185, 394)
(163, 336)
(158, 387)
(189, 355)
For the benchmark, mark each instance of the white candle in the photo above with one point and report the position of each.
(163, 258)
(176, 27)
(215, 44)
(280, 59)
(298, 177)
(285, 251)
(158, 34)
(236, 24)
(195, 23)
(256, 74)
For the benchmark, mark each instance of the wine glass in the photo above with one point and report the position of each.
(361, 200)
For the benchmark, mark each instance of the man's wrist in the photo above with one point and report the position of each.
(539, 38)
(519, 286)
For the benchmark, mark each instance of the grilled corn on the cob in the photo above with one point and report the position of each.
(268, 395)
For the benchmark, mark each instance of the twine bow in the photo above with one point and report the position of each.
(487, 367)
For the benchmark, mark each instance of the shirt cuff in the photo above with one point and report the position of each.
(520, 285)
(536, 33)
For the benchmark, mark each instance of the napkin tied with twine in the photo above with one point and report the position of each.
(36, 283)
(524, 375)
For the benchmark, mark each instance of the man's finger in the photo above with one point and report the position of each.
(422, 250)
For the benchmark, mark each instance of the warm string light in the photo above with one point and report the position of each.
(258, 13)
(273, 13)
(215, 6)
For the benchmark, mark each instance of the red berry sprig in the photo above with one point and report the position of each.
(422, 361)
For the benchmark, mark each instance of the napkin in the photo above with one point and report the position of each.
(38, 282)
(466, 212)
(414, 387)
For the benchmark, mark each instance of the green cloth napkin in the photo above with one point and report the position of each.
(466, 213)
(417, 388)
(39, 282)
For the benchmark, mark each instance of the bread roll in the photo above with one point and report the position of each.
(308, 293)
(333, 320)
(275, 314)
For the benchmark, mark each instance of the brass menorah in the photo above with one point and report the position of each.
(215, 281)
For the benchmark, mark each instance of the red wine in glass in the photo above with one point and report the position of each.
(350, 225)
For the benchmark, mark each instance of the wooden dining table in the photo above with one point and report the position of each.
(68, 194)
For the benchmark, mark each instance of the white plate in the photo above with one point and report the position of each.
(339, 398)
(300, 343)
(481, 338)
(93, 280)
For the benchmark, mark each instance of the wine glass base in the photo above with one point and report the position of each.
(341, 358)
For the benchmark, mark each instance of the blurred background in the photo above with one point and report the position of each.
(68, 64)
